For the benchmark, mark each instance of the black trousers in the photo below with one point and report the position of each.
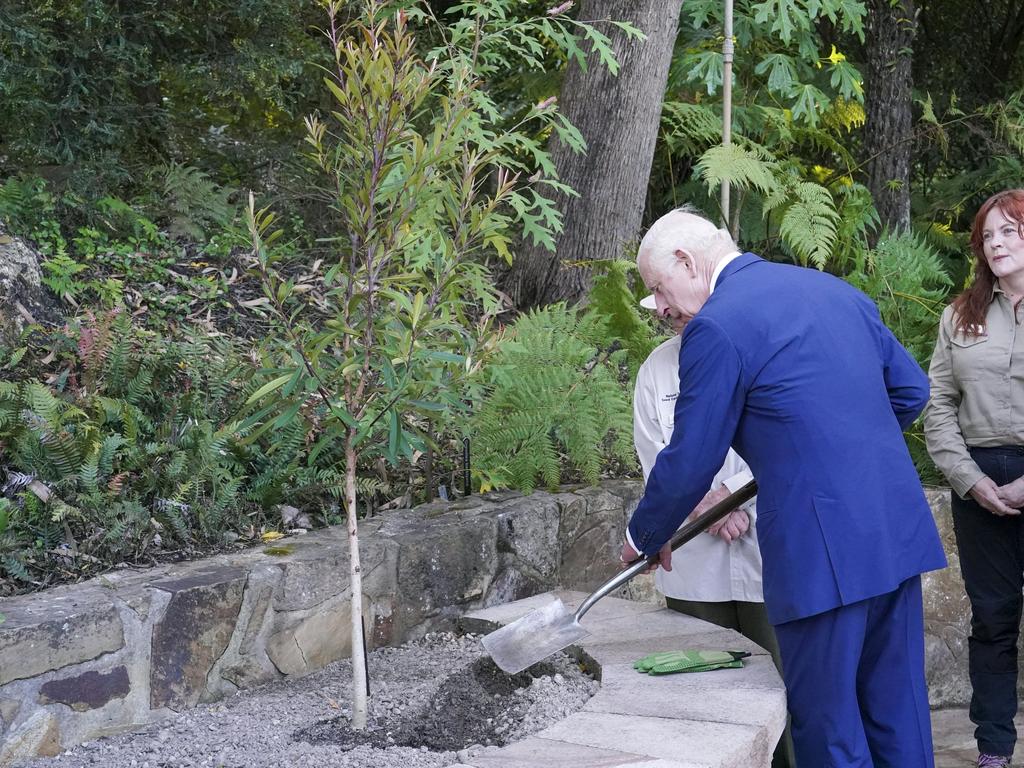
(991, 550)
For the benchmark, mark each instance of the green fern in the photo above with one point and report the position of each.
(810, 223)
(617, 304)
(690, 129)
(197, 203)
(555, 398)
(909, 282)
(740, 167)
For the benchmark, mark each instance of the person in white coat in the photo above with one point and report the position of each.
(716, 576)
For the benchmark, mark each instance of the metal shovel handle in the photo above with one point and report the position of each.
(683, 535)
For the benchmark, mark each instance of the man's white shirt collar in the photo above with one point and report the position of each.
(720, 266)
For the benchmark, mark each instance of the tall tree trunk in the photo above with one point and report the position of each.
(359, 697)
(888, 129)
(618, 116)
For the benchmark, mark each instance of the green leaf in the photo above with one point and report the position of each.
(809, 104)
(706, 67)
(16, 357)
(736, 166)
(426, 405)
(394, 432)
(847, 80)
(781, 71)
(269, 387)
(783, 15)
(336, 90)
(287, 416)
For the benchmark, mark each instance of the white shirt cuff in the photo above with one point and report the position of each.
(738, 480)
(629, 540)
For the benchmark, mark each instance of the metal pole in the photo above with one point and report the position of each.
(467, 485)
(727, 51)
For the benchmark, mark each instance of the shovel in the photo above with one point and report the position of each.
(546, 630)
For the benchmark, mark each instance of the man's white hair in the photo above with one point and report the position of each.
(687, 230)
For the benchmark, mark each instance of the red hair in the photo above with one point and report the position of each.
(971, 306)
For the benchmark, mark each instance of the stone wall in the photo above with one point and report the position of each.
(947, 617)
(135, 646)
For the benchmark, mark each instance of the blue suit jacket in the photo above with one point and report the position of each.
(796, 370)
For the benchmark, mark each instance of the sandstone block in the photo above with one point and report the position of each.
(49, 631)
(443, 563)
(89, 690)
(39, 736)
(591, 535)
(528, 532)
(192, 634)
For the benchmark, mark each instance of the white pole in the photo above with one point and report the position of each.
(727, 51)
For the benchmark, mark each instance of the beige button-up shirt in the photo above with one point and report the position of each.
(977, 391)
(706, 568)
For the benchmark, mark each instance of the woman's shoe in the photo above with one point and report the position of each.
(993, 761)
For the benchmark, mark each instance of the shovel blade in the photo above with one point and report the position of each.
(533, 637)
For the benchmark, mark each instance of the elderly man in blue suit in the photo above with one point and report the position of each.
(795, 369)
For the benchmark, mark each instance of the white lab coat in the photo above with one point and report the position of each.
(705, 569)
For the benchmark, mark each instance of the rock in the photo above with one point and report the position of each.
(947, 616)
(592, 529)
(192, 634)
(445, 562)
(292, 517)
(316, 641)
(35, 636)
(90, 690)
(313, 576)
(9, 709)
(39, 736)
(23, 297)
(528, 532)
(245, 662)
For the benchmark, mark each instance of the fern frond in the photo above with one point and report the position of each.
(690, 129)
(809, 224)
(737, 166)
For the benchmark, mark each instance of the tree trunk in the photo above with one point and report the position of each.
(888, 130)
(359, 697)
(618, 117)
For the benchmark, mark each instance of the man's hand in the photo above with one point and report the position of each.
(710, 499)
(1012, 494)
(732, 526)
(664, 557)
(986, 493)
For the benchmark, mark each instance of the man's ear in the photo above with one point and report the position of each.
(686, 261)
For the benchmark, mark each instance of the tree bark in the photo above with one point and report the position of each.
(888, 129)
(359, 695)
(618, 116)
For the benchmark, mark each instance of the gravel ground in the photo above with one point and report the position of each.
(430, 699)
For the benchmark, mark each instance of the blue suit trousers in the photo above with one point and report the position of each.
(856, 685)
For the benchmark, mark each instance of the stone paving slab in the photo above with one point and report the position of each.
(723, 719)
(537, 752)
(686, 696)
(758, 674)
(626, 651)
(953, 736)
(704, 743)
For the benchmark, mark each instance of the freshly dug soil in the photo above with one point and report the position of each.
(430, 700)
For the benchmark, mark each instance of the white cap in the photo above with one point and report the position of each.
(648, 302)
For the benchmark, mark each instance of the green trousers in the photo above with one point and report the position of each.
(751, 621)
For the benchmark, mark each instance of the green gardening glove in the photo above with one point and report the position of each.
(689, 661)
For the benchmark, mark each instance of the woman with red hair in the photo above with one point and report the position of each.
(974, 425)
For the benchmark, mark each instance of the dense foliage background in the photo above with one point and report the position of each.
(433, 252)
